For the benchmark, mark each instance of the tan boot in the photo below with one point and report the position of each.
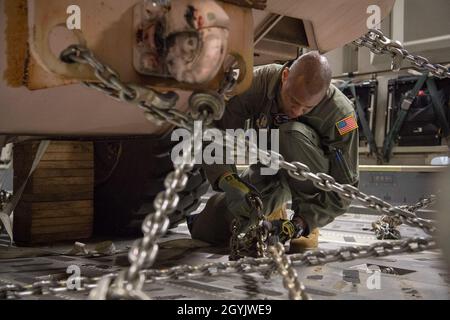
(278, 214)
(302, 244)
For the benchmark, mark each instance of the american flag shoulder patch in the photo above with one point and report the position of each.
(347, 125)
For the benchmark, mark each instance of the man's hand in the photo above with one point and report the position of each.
(243, 200)
(283, 230)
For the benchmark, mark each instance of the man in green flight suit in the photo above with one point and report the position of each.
(317, 126)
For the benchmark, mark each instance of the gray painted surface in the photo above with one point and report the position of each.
(426, 19)
(400, 188)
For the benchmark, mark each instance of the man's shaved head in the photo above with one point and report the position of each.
(315, 69)
(305, 84)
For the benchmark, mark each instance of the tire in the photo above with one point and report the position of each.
(129, 174)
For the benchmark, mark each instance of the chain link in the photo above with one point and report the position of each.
(378, 43)
(261, 237)
(295, 288)
(386, 226)
(422, 204)
(235, 247)
(252, 243)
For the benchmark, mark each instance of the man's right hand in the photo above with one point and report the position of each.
(284, 230)
(243, 199)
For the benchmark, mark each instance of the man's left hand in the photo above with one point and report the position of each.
(284, 230)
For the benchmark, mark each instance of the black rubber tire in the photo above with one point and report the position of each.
(134, 177)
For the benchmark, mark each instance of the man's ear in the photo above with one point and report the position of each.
(285, 75)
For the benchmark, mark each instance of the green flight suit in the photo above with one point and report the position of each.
(313, 139)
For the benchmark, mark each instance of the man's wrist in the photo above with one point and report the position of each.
(301, 224)
(226, 174)
(220, 179)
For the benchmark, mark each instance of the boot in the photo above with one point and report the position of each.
(302, 244)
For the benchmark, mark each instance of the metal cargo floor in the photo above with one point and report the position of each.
(409, 276)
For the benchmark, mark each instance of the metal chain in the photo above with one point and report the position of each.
(246, 265)
(252, 243)
(261, 246)
(422, 204)
(157, 106)
(296, 170)
(129, 283)
(386, 226)
(295, 288)
(378, 43)
(143, 253)
(45, 287)
(327, 183)
(161, 107)
(235, 251)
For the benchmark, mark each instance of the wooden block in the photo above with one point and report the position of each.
(57, 203)
(67, 165)
(62, 181)
(48, 173)
(59, 206)
(66, 205)
(39, 224)
(72, 196)
(54, 156)
(65, 168)
(63, 213)
(57, 190)
(68, 156)
(58, 147)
